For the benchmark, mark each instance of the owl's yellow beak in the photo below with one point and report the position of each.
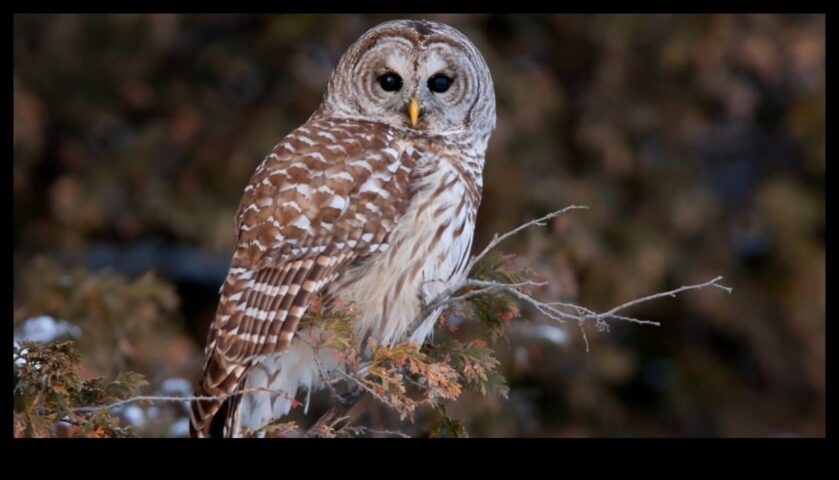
(414, 110)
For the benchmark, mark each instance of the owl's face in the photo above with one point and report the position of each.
(416, 75)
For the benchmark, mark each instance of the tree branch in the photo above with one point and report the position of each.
(153, 398)
(496, 239)
(558, 311)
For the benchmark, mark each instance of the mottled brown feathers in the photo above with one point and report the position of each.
(359, 204)
(310, 208)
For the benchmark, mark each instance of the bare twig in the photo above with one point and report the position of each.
(496, 239)
(672, 293)
(558, 311)
(552, 309)
(364, 386)
(359, 430)
(153, 398)
(485, 287)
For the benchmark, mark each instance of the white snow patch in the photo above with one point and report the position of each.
(180, 428)
(176, 387)
(46, 329)
(23, 351)
(551, 333)
(134, 415)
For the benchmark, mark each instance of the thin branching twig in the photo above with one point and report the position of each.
(558, 311)
(154, 398)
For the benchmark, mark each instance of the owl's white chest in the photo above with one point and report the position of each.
(425, 253)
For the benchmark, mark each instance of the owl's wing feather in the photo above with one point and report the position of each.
(329, 193)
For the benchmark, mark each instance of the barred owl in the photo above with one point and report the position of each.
(374, 195)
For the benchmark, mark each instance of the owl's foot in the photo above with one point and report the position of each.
(349, 399)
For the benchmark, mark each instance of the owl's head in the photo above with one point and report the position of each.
(418, 75)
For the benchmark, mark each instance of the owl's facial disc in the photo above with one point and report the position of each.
(420, 76)
(430, 87)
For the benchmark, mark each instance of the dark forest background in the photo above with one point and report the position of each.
(697, 141)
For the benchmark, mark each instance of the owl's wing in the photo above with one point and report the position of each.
(329, 193)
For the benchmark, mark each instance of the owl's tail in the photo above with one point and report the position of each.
(208, 417)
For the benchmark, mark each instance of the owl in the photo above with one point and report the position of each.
(370, 203)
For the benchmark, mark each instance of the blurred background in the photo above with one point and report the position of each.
(696, 141)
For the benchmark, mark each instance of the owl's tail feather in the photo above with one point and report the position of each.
(208, 417)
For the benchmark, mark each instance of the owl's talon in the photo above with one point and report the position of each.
(349, 399)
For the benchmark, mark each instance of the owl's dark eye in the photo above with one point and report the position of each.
(390, 82)
(439, 83)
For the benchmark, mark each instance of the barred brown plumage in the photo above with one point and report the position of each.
(362, 203)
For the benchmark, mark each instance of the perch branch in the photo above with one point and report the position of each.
(153, 398)
(558, 311)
